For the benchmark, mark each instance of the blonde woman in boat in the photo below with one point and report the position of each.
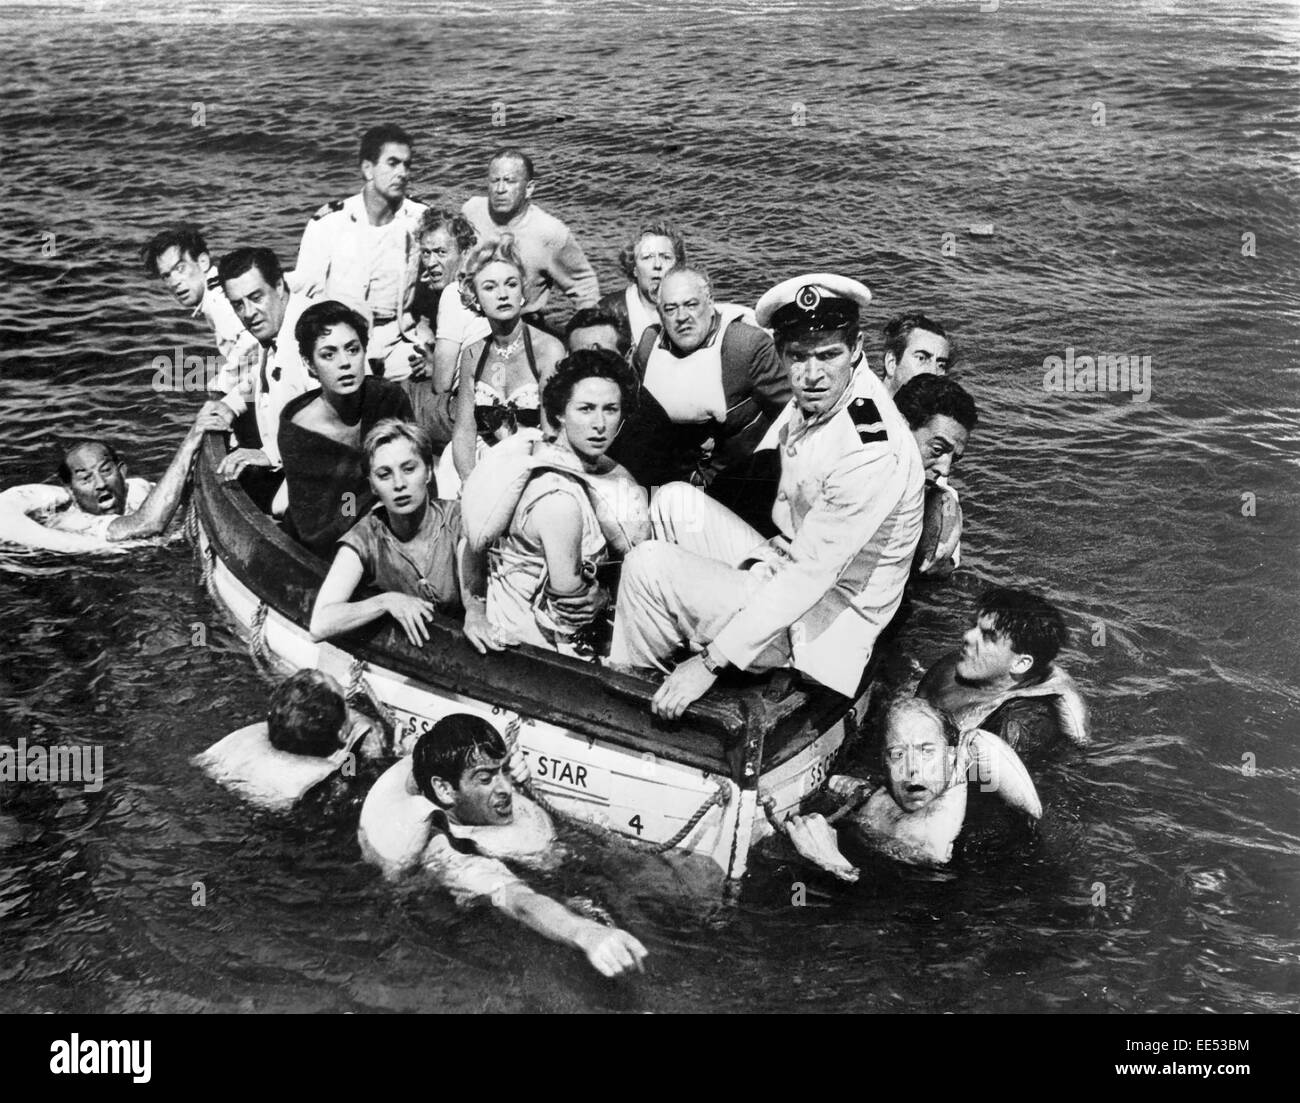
(542, 568)
(409, 547)
(502, 375)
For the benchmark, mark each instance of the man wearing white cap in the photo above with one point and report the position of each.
(848, 514)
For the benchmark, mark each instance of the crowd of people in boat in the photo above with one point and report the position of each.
(666, 481)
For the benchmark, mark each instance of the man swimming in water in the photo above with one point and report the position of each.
(916, 816)
(1003, 677)
(450, 809)
(97, 505)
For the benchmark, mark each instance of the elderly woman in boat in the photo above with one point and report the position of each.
(502, 375)
(553, 512)
(409, 548)
(321, 431)
(645, 259)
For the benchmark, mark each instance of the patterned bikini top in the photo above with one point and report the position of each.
(492, 409)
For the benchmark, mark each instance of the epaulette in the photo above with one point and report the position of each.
(328, 208)
(867, 420)
(214, 281)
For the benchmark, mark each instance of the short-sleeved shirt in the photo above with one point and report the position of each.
(424, 566)
(456, 322)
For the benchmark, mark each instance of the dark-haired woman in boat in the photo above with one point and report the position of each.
(321, 431)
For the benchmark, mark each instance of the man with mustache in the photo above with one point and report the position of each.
(364, 252)
(98, 505)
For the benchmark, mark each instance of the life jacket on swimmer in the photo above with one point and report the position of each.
(246, 763)
(492, 492)
(1057, 689)
(398, 824)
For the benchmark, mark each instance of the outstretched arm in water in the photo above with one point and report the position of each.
(155, 513)
(611, 951)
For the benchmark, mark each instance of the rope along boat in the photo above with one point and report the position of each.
(711, 783)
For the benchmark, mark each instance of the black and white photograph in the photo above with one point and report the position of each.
(561, 507)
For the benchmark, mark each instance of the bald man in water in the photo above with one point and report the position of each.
(98, 504)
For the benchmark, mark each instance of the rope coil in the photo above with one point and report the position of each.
(360, 689)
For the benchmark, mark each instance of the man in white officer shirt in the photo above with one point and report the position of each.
(364, 251)
(848, 514)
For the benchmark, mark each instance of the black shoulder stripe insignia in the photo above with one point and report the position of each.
(328, 208)
(867, 436)
(214, 282)
(864, 411)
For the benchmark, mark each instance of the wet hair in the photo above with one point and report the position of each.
(699, 273)
(457, 225)
(374, 140)
(926, 396)
(898, 331)
(318, 318)
(591, 316)
(306, 715)
(239, 261)
(586, 364)
(513, 154)
(903, 704)
(184, 236)
(65, 472)
(1033, 624)
(391, 429)
(627, 255)
(453, 745)
(501, 249)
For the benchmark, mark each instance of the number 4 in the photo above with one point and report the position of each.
(635, 822)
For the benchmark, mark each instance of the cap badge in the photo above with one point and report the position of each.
(808, 298)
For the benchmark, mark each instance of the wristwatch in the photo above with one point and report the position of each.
(713, 667)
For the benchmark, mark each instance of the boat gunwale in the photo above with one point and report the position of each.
(727, 722)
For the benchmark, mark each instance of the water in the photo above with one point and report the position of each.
(1120, 238)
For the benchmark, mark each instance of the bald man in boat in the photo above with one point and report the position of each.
(916, 816)
(98, 506)
(847, 514)
(1004, 677)
(552, 256)
(712, 384)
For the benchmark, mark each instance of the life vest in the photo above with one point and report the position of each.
(492, 492)
(398, 823)
(246, 763)
(1067, 705)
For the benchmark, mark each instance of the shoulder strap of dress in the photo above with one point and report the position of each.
(528, 352)
(483, 358)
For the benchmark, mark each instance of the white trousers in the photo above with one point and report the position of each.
(683, 586)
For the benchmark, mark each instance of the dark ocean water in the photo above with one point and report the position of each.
(1125, 237)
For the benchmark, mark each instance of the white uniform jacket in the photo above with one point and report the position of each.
(849, 510)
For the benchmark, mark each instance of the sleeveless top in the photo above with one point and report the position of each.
(517, 572)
